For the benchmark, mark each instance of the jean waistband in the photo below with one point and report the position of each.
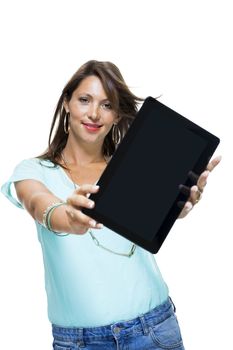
(142, 322)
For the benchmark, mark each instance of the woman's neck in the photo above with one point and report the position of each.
(80, 155)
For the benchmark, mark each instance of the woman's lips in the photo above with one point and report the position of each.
(92, 127)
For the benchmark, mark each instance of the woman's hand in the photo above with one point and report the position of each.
(79, 222)
(197, 190)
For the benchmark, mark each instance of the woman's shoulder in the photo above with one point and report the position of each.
(34, 165)
(45, 162)
(37, 161)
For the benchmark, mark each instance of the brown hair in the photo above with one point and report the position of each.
(123, 101)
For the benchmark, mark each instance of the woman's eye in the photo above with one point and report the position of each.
(83, 99)
(107, 105)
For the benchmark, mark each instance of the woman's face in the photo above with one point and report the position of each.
(91, 114)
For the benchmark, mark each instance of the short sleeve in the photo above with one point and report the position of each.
(26, 169)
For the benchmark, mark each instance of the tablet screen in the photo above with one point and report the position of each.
(139, 189)
(146, 183)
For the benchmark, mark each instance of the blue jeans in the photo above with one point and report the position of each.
(158, 329)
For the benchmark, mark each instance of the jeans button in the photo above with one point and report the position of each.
(117, 330)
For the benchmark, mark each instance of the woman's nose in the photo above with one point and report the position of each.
(94, 112)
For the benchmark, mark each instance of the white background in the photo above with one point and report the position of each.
(180, 49)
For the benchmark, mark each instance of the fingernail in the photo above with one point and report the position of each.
(96, 187)
(91, 204)
(188, 207)
(100, 225)
(92, 222)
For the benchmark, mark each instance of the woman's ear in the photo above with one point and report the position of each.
(118, 118)
(65, 105)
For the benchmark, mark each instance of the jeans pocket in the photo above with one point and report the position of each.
(167, 334)
(62, 345)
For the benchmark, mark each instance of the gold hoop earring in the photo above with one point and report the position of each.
(116, 134)
(66, 123)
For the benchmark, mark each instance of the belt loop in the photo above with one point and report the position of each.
(80, 341)
(144, 325)
(174, 308)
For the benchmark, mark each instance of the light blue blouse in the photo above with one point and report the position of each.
(87, 286)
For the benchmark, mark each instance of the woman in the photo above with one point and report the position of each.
(106, 296)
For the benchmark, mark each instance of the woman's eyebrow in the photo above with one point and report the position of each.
(91, 96)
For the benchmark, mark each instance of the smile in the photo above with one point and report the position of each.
(92, 127)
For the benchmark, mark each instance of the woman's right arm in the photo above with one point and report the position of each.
(69, 218)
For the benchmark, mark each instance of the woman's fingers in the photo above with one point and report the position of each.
(202, 181)
(195, 195)
(78, 216)
(78, 201)
(214, 163)
(199, 181)
(86, 189)
(187, 207)
(77, 227)
(196, 190)
(79, 197)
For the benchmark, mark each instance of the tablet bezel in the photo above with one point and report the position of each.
(154, 245)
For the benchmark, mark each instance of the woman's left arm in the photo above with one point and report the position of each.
(197, 190)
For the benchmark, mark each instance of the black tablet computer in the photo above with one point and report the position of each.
(139, 189)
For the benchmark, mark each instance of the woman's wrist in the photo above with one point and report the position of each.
(53, 219)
